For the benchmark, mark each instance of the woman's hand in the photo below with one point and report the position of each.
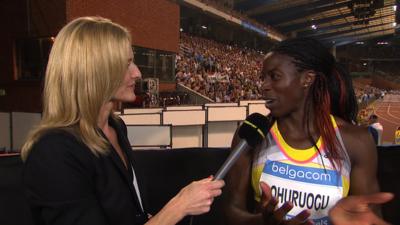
(197, 197)
(273, 216)
(355, 210)
(194, 199)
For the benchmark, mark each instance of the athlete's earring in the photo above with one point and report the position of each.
(308, 78)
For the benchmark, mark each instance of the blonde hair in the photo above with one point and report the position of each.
(86, 65)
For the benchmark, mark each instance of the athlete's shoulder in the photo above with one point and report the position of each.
(357, 139)
(352, 130)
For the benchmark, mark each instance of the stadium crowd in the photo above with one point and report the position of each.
(224, 73)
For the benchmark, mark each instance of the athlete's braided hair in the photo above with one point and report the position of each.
(331, 92)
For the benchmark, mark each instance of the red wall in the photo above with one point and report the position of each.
(153, 24)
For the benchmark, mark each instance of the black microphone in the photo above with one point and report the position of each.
(253, 130)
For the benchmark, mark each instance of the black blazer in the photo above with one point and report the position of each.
(66, 184)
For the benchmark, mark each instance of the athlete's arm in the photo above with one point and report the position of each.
(363, 155)
(238, 184)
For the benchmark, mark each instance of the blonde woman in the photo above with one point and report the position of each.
(78, 167)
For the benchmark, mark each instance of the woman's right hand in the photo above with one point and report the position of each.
(277, 216)
(197, 197)
(194, 199)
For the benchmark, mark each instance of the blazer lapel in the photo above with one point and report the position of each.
(126, 173)
(140, 180)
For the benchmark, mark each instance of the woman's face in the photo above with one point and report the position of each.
(283, 87)
(126, 92)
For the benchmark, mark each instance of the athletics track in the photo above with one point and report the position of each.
(388, 112)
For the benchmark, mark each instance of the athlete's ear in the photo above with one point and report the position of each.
(308, 78)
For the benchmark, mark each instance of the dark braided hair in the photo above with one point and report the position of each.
(331, 93)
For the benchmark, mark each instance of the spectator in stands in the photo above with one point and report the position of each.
(78, 167)
(397, 136)
(313, 155)
(376, 129)
(374, 133)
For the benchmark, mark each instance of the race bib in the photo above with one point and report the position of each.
(315, 189)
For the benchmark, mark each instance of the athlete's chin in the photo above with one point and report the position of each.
(276, 113)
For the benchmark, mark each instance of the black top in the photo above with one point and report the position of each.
(65, 183)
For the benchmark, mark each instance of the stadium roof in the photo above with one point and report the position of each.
(333, 22)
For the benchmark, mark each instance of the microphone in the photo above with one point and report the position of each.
(251, 132)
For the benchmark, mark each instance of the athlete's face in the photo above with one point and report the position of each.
(283, 86)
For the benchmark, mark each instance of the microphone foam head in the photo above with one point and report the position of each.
(254, 129)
